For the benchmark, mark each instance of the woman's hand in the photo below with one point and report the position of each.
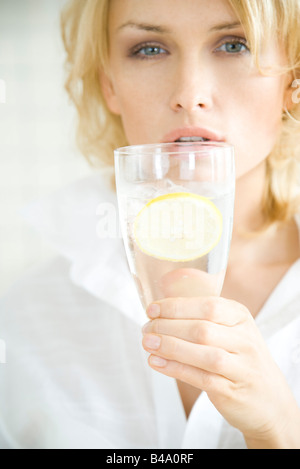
(214, 344)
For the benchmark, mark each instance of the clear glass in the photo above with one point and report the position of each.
(145, 172)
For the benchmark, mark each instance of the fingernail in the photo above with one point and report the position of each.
(157, 361)
(153, 311)
(152, 341)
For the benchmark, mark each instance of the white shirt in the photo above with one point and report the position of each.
(76, 375)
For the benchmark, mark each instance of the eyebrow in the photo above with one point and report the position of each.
(163, 30)
(145, 27)
(225, 26)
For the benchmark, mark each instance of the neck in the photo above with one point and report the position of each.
(278, 245)
(248, 214)
(257, 260)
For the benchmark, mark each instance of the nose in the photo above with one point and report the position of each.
(193, 88)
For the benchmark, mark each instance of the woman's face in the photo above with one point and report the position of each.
(182, 68)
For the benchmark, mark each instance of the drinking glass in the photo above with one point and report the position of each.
(176, 203)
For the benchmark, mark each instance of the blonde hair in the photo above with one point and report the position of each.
(85, 37)
(84, 25)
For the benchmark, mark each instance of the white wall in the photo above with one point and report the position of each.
(37, 149)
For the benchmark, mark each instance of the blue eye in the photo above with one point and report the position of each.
(150, 50)
(233, 47)
(147, 51)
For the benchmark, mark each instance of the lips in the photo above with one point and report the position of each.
(192, 134)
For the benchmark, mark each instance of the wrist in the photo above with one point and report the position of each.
(283, 437)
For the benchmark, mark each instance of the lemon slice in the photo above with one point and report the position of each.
(178, 227)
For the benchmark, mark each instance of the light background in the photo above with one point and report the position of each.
(37, 127)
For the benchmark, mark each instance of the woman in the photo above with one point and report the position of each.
(147, 72)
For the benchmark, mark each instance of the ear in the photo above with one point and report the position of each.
(109, 94)
(292, 93)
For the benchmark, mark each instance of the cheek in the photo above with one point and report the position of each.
(136, 112)
(142, 97)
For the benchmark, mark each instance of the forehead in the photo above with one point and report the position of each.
(170, 14)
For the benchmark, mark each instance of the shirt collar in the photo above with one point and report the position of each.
(81, 222)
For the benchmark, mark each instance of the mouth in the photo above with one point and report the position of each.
(192, 139)
(192, 135)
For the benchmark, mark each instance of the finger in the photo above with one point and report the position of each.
(203, 380)
(214, 309)
(204, 357)
(196, 331)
